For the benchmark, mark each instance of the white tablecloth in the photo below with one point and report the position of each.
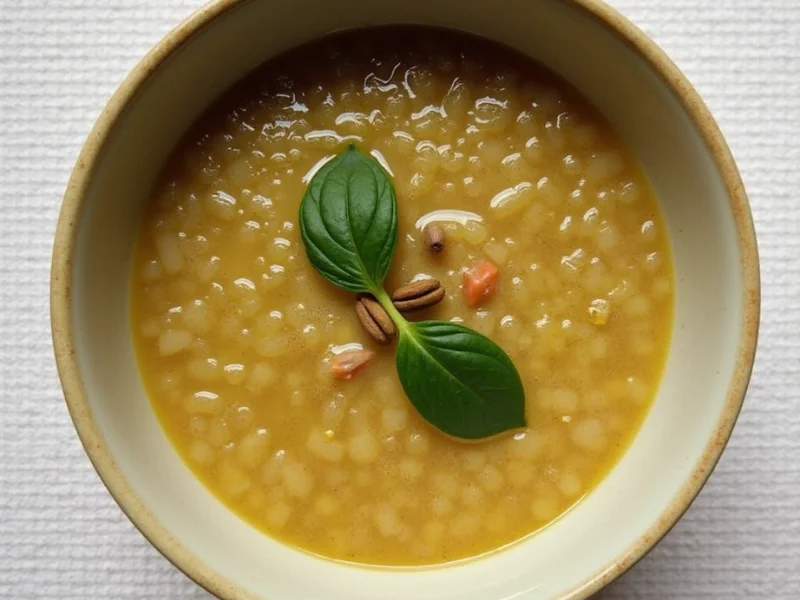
(61, 535)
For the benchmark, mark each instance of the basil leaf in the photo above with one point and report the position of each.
(348, 222)
(459, 380)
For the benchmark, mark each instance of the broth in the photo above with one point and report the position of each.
(235, 330)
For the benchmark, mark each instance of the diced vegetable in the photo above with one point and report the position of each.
(349, 362)
(480, 282)
(599, 311)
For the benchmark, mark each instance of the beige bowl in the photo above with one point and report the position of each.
(717, 302)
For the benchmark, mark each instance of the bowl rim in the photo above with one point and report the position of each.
(64, 336)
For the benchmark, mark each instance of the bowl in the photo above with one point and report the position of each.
(661, 118)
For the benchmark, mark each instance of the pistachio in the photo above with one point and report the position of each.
(375, 320)
(434, 237)
(418, 295)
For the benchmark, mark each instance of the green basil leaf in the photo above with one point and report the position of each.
(348, 222)
(459, 380)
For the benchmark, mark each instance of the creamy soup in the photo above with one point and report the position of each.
(235, 331)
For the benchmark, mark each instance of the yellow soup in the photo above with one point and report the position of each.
(235, 330)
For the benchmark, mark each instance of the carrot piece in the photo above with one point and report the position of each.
(349, 362)
(480, 282)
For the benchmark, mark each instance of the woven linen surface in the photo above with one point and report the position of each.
(62, 536)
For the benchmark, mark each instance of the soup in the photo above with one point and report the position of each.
(236, 332)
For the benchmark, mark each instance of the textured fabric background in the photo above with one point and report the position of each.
(61, 535)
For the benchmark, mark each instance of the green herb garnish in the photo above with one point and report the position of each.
(459, 380)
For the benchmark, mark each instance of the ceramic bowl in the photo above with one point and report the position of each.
(655, 110)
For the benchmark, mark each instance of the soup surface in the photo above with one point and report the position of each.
(235, 330)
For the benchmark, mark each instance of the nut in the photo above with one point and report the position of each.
(434, 237)
(375, 320)
(418, 295)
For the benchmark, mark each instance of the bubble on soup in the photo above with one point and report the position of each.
(491, 478)
(491, 114)
(297, 479)
(441, 506)
(458, 100)
(589, 434)
(363, 448)
(513, 200)
(252, 448)
(261, 377)
(201, 453)
(411, 469)
(465, 525)
(234, 373)
(233, 481)
(570, 485)
(278, 514)
(394, 419)
(327, 505)
(204, 369)
(561, 401)
(545, 507)
(172, 341)
(323, 445)
(169, 252)
(203, 402)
